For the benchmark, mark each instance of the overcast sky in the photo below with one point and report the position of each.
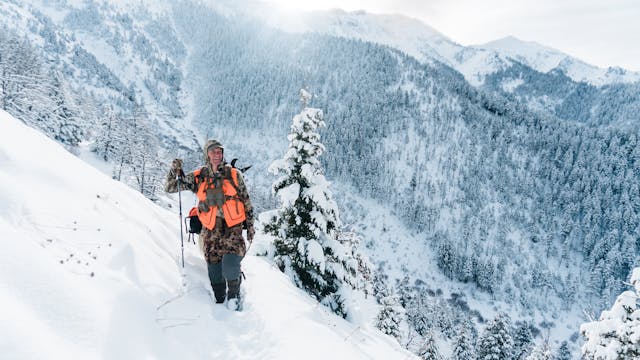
(600, 32)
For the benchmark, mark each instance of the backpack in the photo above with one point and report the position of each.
(192, 223)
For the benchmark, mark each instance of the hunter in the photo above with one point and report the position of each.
(223, 208)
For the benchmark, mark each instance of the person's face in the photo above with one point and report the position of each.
(215, 156)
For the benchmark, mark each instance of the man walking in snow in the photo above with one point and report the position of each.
(223, 207)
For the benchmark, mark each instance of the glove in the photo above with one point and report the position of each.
(251, 231)
(176, 168)
(176, 164)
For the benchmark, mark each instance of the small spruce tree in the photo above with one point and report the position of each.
(563, 352)
(306, 226)
(463, 346)
(390, 315)
(541, 352)
(109, 135)
(496, 342)
(429, 350)
(522, 341)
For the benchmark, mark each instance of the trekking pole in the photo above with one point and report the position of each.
(180, 207)
(249, 247)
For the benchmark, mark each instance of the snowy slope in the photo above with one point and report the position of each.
(545, 59)
(101, 49)
(91, 269)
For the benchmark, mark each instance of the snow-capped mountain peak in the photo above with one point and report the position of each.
(544, 59)
(539, 57)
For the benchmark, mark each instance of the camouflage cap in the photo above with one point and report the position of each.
(211, 144)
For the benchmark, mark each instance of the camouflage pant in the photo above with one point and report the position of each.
(222, 240)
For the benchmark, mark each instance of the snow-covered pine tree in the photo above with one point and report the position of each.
(616, 335)
(405, 292)
(390, 316)
(496, 342)
(143, 145)
(541, 352)
(63, 119)
(41, 99)
(380, 287)
(429, 350)
(563, 352)
(522, 341)
(419, 314)
(463, 345)
(360, 268)
(305, 227)
(109, 135)
(24, 87)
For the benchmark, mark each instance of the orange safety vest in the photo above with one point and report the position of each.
(233, 207)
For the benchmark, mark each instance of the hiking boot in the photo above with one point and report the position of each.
(220, 291)
(233, 302)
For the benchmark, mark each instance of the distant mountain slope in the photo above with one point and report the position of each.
(545, 59)
(398, 31)
(541, 78)
(91, 269)
(133, 66)
(427, 44)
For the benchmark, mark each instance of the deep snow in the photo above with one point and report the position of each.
(91, 269)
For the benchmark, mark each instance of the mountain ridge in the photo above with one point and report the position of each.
(545, 59)
(423, 42)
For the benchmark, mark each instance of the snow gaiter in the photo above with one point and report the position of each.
(219, 290)
(234, 288)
